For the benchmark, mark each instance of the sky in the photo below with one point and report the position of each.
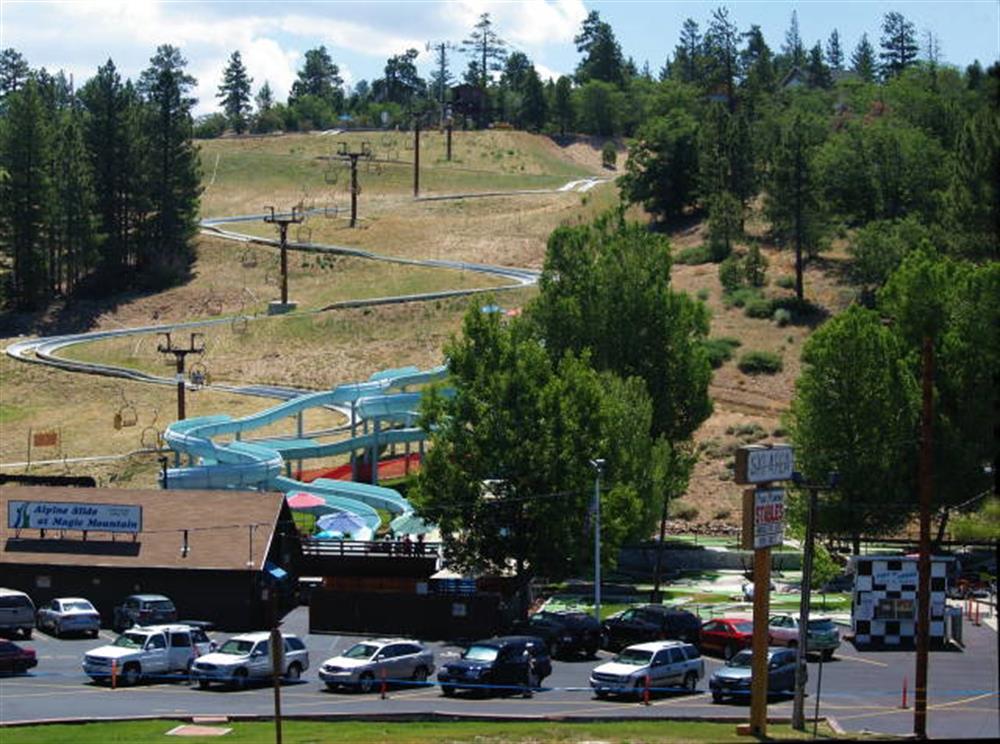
(273, 36)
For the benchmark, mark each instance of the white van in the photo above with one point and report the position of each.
(17, 612)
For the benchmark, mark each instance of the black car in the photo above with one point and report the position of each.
(505, 664)
(649, 623)
(566, 633)
(143, 609)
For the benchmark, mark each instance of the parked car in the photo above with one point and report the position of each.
(668, 664)
(147, 651)
(143, 609)
(733, 680)
(17, 612)
(14, 659)
(649, 623)
(508, 662)
(822, 635)
(247, 657)
(726, 636)
(68, 615)
(364, 664)
(566, 633)
(839, 583)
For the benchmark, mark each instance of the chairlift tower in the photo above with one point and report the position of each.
(196, 345)
(343, 153)
(295, 217)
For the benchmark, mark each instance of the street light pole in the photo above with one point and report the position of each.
(798, 706)
(598, 466)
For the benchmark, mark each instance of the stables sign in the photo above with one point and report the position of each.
(763, 518)
(55, 515)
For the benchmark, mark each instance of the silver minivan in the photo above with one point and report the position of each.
(17, 612)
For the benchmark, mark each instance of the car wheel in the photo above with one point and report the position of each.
(294, 673)
(367, 682)
(26, 632)
(601, 694)
(793, 644)
(447, 690)
(131, 674)
(555, 649)
(690, 682)
(240, 679)
(420, 674)
(591, 651)
(94, 632)
(827, 654)
(202, 684)
(716, 697)
(729, 651)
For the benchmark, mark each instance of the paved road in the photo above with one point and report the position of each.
(860, 690)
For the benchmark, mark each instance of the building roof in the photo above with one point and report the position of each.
(229, 530)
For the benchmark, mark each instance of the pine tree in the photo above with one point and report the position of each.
(899, 44)
(235, 93)
(25, 156)
(487, 52)
(533, 104)
(319, 77)
(816, 70)
(14, 72)
(834, 53)
(602, 54)
(757, 65)
(863, 60)
(793, 48)
(562, 106)
(174, 169)
(688, 54)
(264, 98)
(721, 54)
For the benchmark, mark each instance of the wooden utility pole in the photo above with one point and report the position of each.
(296, 217)
(277, 663)
(195, 346)
(924, 561)
(449, 124)
(416, 157)
(758, 660)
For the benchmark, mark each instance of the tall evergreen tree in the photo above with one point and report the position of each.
(793, 48)
(487, 52)
(722, 55)
(25, 156)
(688, 54)
(174, 168)
(319, 77)
(14, 72)
(533, 105)
(264, 98)
(817, 72)
(401, 82)
(602, 54)
(757, 63)
(863, 60)
(899, 44)
(562, 106)
(235, 93)
(834, 52)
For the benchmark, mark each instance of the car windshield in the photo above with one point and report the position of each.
(236, 648)
(160, 604)
(481, 653)
(744, 627)
(742, 659)
(824, 624)
(130, 640)
(360, 651)
(634, 656)
(84, 606)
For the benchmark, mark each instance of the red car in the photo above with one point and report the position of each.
(14, 659)
(726, 635)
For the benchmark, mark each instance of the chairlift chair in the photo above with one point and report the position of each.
(199, 376)
(126, 416)
(240, 324)
(248, 259)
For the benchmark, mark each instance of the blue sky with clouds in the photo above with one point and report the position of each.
(273, 36)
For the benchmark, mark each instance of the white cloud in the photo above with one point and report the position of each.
(357, 37)
(528, 23)
(547, 73)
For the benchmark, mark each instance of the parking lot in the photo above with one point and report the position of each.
(860, 690)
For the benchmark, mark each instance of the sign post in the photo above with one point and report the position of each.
(763, 527)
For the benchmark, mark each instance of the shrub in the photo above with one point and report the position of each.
(685, 512)
(719, 350)
(755, 267)
(758, 307)
(609, 155)
(698, 254)
(723, 513)
(703, 294)
(210, 126)
(740, 297)
(731, 274)
(785, 281)
(782, 317)
(752, 432)
(760, 363)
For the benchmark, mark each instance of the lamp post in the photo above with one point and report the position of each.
(598, 466)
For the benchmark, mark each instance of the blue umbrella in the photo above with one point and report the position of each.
(341, 521)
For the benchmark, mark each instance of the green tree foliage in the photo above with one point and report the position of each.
(757, 66)
(174, 171)
(982, 524)
(793, 49)
(725, 224)
(401, 83)
(834, 52)
(899, 44)
(605, 291)
(235, 93)
(722, 56)
(817, 73)
(26, 147)
(562, 106)
(688, 62)
(880, 246)
(973, 197)
(597, 106)
(855, 412)
(662, 167)
(863, 60)
(13, 72)
(533, 110)
(602, 55)
(794, 206)
(320, 78)
(487, 52)
(508, 478)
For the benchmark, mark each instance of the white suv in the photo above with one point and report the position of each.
(247, 657)
(147, 651)
(670, 666)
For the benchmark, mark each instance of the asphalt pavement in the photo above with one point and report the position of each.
(861, 690)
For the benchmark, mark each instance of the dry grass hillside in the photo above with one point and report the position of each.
(320, 350)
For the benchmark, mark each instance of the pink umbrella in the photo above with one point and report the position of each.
(304, 501)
